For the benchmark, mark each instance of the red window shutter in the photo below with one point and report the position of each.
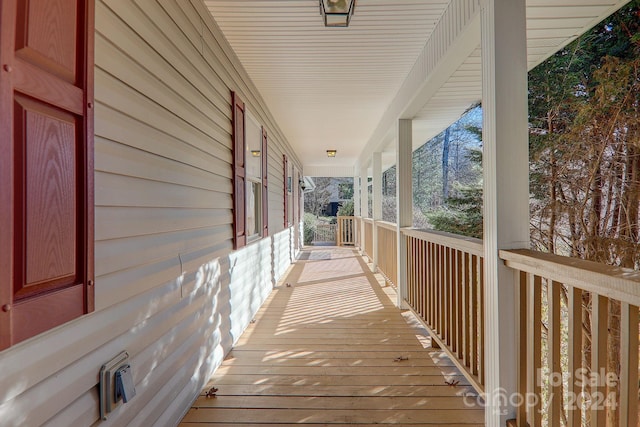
(285, 163)
(46, 167)
(265, 191)
(239, 175)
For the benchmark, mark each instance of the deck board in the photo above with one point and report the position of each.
(324, 351)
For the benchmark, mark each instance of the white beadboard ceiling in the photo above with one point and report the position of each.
(344, 88)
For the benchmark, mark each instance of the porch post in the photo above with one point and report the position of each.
(506, 191)
(356, 208)
(364, 193)
(364, 205)
(377, 203)
(356, 195)
(404, 200)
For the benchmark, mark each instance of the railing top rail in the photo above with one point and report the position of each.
(345, 217)
(618, 283)
(368, 220)
(462, 243)
(386, 224)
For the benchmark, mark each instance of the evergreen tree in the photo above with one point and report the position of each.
(463, 212)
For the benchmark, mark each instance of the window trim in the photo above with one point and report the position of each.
(285, 181)
(265, 183)
(241, 180)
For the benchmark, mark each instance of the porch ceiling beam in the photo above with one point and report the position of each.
(454, 38)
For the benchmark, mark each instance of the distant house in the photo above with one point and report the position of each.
(338, 195)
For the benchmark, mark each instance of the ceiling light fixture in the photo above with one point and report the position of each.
(255, 153)
(331, 153)
(337, 13)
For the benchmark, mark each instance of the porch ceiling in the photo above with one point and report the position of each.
(344, 88)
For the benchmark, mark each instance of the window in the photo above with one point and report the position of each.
(250, 195)
(291, 193)
(253, 154)
(46, 175)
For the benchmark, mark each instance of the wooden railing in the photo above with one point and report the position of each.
(325, 233)
(445, 289)
(356, 224)
(368, 237)
(578, 325)
(346, 231)
(388, 250)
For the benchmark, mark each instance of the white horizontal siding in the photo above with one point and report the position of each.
(169, 288)
(282, 254)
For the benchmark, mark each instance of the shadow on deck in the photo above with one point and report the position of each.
(329, 347)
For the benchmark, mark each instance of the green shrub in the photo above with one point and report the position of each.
(309, 227)
(346, 208)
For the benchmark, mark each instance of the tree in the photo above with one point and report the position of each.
(346, 208)
(316, 200)
(463, 212)
(345, 190)
(585, 156)
(445, 163)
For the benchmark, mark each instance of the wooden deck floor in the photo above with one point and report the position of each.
(332, 349)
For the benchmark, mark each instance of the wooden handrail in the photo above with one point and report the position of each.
(618, 283)
(463, 243)
(591, 290)
(387, 225)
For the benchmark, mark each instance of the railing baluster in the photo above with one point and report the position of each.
(447, 296)
(574, 308)
(450, 292)
(415, 262)
(440, 288)
(629, 365)
(459, 304)
(465, 304)
(454, 301)
(599, 335)
(445, 290)
(431, 308)
(553, 351)
(480, 328)
(523, 351)
(407, 241)
(420, 284)
(473, 315)
(534, 337)
(424, 278)
(434, 285)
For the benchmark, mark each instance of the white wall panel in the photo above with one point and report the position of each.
(169, 288)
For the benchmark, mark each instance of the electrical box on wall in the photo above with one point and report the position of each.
(124, 384)
(116, 384)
